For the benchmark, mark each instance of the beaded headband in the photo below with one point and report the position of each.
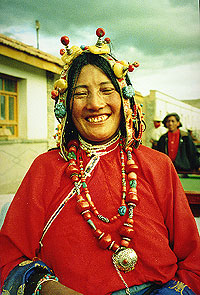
(133, 115)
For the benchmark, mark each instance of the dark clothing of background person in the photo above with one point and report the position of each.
(187, 156)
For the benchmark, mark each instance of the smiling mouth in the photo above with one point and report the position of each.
(97, 119)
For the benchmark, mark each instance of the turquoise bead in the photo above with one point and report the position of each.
(122, 210)
(133, 183)
(71, 155)
(60, 110)
(84, 185)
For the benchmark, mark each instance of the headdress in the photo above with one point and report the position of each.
(132, 112)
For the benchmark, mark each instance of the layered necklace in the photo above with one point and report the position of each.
(124, 258)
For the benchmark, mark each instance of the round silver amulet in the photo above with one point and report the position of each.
(125, 259)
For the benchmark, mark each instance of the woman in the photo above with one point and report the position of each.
(92, 213)
(178, 145)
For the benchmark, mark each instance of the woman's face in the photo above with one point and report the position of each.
(172, 124)
(96, 105)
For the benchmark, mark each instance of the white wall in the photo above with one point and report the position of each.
(189, 115)
(32, 108)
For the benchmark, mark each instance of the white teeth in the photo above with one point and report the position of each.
(97, 119)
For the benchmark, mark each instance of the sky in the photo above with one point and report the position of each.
(162, 35)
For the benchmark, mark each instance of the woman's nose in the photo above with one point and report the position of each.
(95, 101)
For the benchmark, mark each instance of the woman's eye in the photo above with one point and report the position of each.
(80, 94)
(107, 90)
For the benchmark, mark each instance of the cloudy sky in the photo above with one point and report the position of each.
(163, 35)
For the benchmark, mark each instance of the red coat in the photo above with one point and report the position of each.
(166, 238)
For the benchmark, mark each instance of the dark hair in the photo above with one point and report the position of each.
(82, 60)
(174, 115)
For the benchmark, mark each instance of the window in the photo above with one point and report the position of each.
(8, 107)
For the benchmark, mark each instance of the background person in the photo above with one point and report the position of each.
(157, 132)
(102, 212)
(178, 145)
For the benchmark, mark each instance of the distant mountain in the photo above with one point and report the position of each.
(193, 102)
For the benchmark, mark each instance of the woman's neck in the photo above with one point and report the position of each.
(93, 146)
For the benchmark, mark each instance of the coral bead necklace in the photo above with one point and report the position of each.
(124, 258)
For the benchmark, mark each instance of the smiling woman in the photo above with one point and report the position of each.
(101, 213)
(97, 115)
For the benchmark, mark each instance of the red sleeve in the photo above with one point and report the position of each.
(27, 212)
(184, 237)
(183, 233)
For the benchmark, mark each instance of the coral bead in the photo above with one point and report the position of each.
(136, 64)
(73, 142)
(132, 198)
(100, 32)
(125, 243)
(87, 216)
(71, 169)
(62, 51)
(82, 206)
(115, 247)
(97, 233)
(54, 94)
(126, 231)
(72, 149)
(131, 68)
(64, 40)
(75, 178)
(105, 241)
(107, 40)
(131, 168)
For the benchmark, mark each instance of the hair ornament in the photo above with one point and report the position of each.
(128, 91)
(60, 110)
(132, 112)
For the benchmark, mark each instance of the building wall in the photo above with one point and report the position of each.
(32, 109)
(36, 122)
(159, 104)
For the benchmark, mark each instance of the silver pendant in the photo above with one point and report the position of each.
(125, 259)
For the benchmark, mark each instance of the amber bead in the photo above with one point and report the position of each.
(130, 162)
(79, 198)
(82, 206)
(105, 241)
(130, 221)
(113, 219)
(126, 231)
(132, 175)
(133, 189)
(125, 243)
(129, 149)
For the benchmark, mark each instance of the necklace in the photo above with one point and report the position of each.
(124, 258)
(93, 149)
